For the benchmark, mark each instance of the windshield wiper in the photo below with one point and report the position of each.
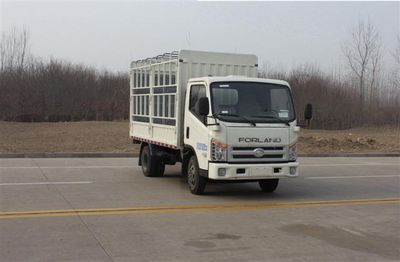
(235, 115)
(273, 117)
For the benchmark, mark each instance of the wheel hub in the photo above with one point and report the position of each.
(191, 176)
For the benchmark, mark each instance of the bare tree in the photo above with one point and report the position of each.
(396, 56)
(14, 48)
(394, 89)
(363, 54)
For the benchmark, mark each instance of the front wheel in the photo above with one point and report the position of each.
(269, 185)
(196, 183)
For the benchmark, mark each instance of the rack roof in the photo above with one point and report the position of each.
(156, 59)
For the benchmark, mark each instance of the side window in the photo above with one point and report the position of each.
(196, 92)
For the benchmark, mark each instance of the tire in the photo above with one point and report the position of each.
(196, 183)
(151, 166)
(268, 185)
(160, 168)
(184, 170)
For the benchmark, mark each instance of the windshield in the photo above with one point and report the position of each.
(256, 102)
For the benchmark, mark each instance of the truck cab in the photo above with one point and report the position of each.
(240, 129)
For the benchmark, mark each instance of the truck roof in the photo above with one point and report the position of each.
(237, 78)
(199, 57)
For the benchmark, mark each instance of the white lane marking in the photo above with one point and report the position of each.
(46, 183)
(61, 167)
(355, 164)
(333, 177)
(353, 232)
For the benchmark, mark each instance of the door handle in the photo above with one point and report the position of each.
(187, 132)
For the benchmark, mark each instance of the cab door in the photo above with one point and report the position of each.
(196, 131)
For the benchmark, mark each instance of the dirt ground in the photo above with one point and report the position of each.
(113, 137)
(379, 139)
(65, 137)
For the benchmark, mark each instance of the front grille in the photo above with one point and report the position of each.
(270, 154)
(252, 148)
(263, 157)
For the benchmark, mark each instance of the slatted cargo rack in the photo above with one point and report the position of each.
(157, 90)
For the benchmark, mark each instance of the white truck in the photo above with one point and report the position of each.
(210, 112)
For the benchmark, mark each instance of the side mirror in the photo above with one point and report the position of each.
(203, 106)
(308, 112)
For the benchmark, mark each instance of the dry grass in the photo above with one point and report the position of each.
(382, 139)
(65, 137)
(113, 137)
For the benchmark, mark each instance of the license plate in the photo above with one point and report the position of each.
(261, 171)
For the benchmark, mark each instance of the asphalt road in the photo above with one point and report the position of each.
(104, 209)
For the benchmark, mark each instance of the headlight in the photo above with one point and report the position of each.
(293, 151)
(218, 150)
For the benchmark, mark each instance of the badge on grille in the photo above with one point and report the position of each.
(258, 152)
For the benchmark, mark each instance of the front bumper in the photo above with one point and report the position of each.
(251, 171)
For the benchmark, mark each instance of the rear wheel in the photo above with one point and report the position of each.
(151, 166)
(269, 185)
(196, 183)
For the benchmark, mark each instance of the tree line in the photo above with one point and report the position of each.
(337, 102)
(60, 91)
(35, 90)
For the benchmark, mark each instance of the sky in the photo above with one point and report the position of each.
(108, 35)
